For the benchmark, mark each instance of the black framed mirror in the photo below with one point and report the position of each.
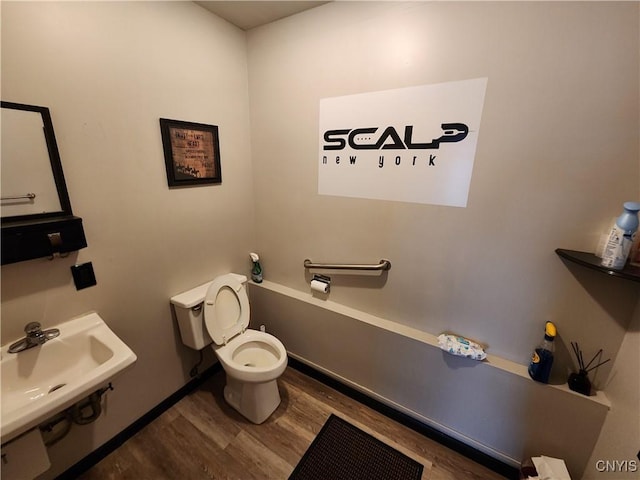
(36, 215)
(33, 184)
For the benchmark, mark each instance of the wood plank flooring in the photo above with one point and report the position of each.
(201, 437)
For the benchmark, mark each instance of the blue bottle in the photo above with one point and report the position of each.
(542, 358)
(621, 237)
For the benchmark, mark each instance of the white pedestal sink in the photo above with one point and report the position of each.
(42, 381)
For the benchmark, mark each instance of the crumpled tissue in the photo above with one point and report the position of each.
(550, 468)
(461, 346)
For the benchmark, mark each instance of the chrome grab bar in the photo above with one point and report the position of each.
(29, 196)
(383, 265)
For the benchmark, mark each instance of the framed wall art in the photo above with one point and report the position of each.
(191, 152)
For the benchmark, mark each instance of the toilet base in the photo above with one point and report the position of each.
(254, 401)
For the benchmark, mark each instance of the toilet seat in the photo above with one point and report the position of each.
(226, 309)
(253, 356)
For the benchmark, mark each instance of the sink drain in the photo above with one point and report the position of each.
(57, 387)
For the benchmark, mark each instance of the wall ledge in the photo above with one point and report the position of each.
(492, 361)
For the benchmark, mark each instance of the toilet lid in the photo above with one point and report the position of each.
(226, 309)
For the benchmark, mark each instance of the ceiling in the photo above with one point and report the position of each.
(247, 15)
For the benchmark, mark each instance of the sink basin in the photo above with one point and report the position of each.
(42, 381)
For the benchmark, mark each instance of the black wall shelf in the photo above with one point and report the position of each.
(30, 239)
(589, 260)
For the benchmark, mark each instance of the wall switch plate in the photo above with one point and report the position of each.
(83, 275)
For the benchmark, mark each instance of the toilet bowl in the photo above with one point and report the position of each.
(251, 359)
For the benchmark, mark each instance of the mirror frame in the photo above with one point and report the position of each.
(56, 166)
(50, 234)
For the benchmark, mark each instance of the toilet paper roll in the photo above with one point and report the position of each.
(319, 286)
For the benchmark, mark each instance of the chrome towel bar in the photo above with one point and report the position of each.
(383, 265)
(29, 196)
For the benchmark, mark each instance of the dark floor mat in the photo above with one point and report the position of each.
(344, 452)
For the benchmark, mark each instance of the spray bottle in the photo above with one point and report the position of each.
(256, 270)
(542, 358)
(621, 237)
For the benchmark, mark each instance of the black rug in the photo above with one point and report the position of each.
(344, 452)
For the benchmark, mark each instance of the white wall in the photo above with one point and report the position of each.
(615, 454)
(559, 123)
(619, 440)
(108, 71)
(558, 154)
(620, 437)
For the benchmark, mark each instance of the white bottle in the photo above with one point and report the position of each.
(621, 237)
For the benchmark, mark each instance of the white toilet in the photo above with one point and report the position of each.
(218, 311)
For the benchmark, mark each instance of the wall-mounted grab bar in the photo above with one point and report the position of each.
(29, 196)
(383, 265)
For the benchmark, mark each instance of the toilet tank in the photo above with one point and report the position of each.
(189, 308)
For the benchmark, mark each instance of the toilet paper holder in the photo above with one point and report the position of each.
(324, 280)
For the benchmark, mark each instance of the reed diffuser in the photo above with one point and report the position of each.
(579, 382)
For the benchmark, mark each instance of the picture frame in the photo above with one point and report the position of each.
(191, 152)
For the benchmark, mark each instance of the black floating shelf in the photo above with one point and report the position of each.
(589, 260)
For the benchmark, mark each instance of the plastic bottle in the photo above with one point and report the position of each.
(542, 358)
(621, 237)
(256, 270)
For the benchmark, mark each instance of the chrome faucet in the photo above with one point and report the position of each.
(35, 336)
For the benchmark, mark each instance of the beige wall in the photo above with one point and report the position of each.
(108, 71)
(619, 440)
(620, 436)
(557, 155)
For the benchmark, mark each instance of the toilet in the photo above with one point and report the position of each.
(218, 313)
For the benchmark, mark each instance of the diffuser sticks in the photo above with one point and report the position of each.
(579, 382)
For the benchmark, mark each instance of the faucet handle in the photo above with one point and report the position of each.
(33, 328)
